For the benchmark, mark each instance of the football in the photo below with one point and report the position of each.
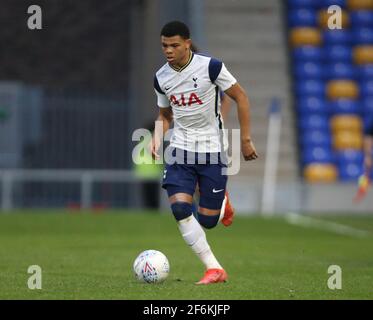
(151, 266)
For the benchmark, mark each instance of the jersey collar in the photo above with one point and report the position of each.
(185, 65)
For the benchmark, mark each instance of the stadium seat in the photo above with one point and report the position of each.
(302, 18)
(333, 73)
(361, 18)
(323, 19)
(314, 122)
(308, 71)
(349, 172)
(350, 156)
(308, 54)
(365, 72)
(340, 71)
(316, 138)
(363, 54)
(336, 37)
(315, 173)
(338, 53)
(328, 3)
(347, 140)
(312, 105)
(366, 88)
(346, 123)
(337, 89)
(293, 4)
(362, 36)
(345, 106)
(367, 106)
(317, 154)
(360, 4)
(303, 36)
(310, 88)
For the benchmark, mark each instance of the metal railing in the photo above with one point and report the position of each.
(86, 179)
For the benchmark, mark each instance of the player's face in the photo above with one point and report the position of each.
(176, 49)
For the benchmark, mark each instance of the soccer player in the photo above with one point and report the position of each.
(187, 89)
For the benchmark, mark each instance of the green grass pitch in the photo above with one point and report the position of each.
(90, 256)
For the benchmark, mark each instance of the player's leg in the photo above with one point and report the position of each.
(195, 202)
(214, 205)
(190, 229)
(212, 186)
(180, 183)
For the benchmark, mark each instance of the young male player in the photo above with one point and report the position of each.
(187, 89)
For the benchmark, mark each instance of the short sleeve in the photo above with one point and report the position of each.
(162, 99)
(225, 80)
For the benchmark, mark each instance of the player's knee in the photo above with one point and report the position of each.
(208, 221)
(181, 210)
(211, 203)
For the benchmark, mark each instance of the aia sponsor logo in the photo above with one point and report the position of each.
(185, 101)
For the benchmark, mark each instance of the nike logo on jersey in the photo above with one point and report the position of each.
(216, 191)
(167, 88)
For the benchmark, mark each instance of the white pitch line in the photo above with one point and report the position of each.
(308, 222)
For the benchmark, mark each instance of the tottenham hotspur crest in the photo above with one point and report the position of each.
(195, 82)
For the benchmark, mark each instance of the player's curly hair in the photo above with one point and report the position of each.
(175, 28)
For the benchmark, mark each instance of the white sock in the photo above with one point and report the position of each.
(222, 208)
(195, 237)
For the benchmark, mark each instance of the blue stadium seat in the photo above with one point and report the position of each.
(312, 105)
(340, 71)
(337, 37)
(308, 54)
(316, 138)
(367, 105)
(362, 36)
(366, 88)
(302, 18)
(367, 121)
(317, 155)
(310, 88)
(350, 156)
(366, 72)
(302, 4)
(361, 18)
(308, 71)
(337, 59)
(338, 53)
(328, 3)
(345, 106)
(314, 122)
(349, 172)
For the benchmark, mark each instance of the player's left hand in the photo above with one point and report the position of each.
(248, 150)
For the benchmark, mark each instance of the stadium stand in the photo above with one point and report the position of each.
(259, 61)
(333, 85)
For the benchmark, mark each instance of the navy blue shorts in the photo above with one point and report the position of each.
(183, 178)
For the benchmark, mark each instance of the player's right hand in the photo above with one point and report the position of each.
(248, 150)
(153, 148)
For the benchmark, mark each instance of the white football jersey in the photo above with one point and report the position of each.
(193, 92)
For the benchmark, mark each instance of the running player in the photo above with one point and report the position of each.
(187, 89)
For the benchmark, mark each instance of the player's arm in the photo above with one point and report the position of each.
(238, 94)
(165, 117)
(225, 106)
